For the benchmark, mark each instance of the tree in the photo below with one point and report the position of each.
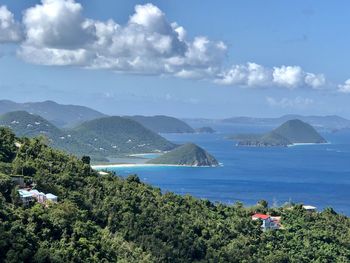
(7, 145)
(86, 159)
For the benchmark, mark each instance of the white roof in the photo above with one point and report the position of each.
(34, 191)
(309, 207)
(24, 193)
(51, 196)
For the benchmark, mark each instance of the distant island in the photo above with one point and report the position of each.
(205, 129)
(163, 124)
(188, 154)
(289, 133)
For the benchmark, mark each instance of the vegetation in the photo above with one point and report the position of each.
(163, 124)
(187, 154)
(99, 138)
(290, 132)
(116, 135)
(105, 218)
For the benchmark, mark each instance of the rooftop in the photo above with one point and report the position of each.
(261, 216)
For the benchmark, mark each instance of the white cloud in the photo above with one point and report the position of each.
(10, 30)
(315, 81)
(344, 88)
(298, 102)
(56, 33)
(287, 76)
(255, 75)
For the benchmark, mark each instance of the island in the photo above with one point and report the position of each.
(188, 155)
(289, 133)
(205, 129)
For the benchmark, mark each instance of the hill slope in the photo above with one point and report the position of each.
(60, 115)
(290, 132)
(116, 135)
(163, 124)
(297, 131)
(31, 125)
(187, 154)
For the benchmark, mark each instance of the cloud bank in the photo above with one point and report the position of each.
(55, 32)
(294, 103)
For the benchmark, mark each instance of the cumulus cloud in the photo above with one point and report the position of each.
(56, 33)
(344, 88)
(298, 102)
(254, 75)
(10, 30)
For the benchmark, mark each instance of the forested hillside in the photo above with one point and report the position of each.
(105, 218)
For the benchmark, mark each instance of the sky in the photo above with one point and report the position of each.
(195, 59)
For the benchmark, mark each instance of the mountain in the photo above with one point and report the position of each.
(205, 129)
(163, 124)
(187, 154)
(320, 122)
(30, 125)
(117, 135)
(290, 132)
(58, 114)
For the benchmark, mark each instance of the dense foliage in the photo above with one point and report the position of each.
(99, 138)
(105, 218)
(187, 154)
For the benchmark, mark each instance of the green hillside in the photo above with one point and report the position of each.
(297, 131)
(187, 154)
(31, 125)
(106, 218)
(117, 135)
(163, 124)
(290, 132)
(58, 114)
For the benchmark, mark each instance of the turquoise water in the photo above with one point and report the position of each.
(317, 175)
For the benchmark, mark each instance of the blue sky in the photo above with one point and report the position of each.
(297, 50)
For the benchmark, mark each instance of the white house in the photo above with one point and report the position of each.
(268, 222)
(33, 194)
(25, 196)
(309, 208)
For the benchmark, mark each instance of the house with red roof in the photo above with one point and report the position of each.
(268, 222)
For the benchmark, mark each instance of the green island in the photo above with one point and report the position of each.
(289, 133)
(101, 217)
(188, 154)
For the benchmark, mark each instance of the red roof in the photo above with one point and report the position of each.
(261, 216)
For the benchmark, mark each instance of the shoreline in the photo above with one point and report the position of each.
(307, 144)
(102, 166)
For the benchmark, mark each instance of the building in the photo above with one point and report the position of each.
(33, 194)
(51, 197)
(310, 208)
(268, 222)
(25, 196)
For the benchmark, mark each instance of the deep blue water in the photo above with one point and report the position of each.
(317, 175)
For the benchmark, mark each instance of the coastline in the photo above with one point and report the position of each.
(307, 144)
(102, 166)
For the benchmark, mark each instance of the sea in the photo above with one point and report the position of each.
(317, 175)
